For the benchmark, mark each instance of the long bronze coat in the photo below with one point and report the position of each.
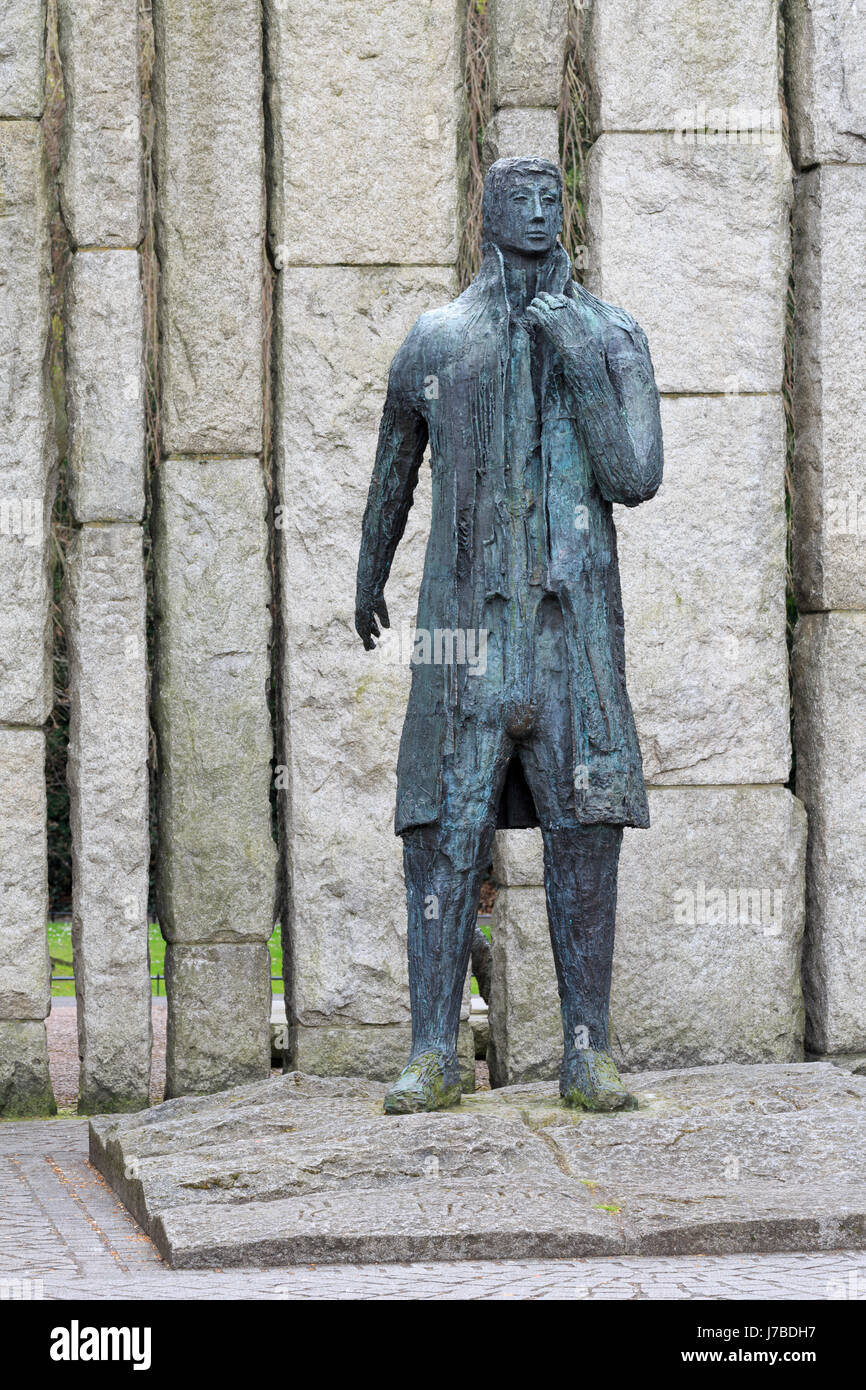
(601, 443)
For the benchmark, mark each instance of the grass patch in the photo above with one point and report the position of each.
(60, 950)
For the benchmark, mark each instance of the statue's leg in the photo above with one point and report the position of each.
(444, 865)
(580, 872)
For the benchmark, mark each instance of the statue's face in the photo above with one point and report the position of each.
(530, 215)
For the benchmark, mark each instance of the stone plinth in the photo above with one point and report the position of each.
(301, 1169)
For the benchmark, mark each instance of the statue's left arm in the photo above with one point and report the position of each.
(402, 441)
(608, 369)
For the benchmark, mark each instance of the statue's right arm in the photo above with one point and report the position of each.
(402, 441)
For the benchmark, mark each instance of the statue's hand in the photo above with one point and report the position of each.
(369, 607)
(560, 319)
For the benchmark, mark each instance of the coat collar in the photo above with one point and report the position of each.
(554, 274)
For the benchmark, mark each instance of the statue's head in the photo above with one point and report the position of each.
(522, 206)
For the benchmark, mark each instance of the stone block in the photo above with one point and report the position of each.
(694, 241)
(703, 579)
(105, 386)
(830, 738)
(22, 58)
(27, 448)
(108, 783)
(219, 1005)
(379, 1054)
(25, 1086)
(210, 223)
(25, 970)
(100, 171)
(516, 132)
(829, 495)
(364, 119)
(825, 81)
(709, 897)
(527, 49)
(212, 593)
(343, 708)
(653, 66)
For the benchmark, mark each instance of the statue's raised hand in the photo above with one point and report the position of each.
(570, 329)
(368, 607)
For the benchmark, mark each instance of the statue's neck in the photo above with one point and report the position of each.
(521, 279)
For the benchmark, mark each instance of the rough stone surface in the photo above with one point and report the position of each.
(25, 1086)
(338, 330)
(714, 1161)
(212, 590)
(219, 1007)
(27, 452)
(378, 1054)
(825, 81)
(22, 57)
(527, 48)
(66, 1235)
(24, 963)
(829, 535)
(100, 172)
(514, 132)
(711, 895)
(210, 223)
(654, 66)
(695, 243)
(105, 386)
(830, 735)
(365, 120)
(703, 579)
(108, 783)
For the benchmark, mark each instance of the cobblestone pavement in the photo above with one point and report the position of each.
(61, 1226)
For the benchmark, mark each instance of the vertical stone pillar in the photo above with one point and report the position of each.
(101, 202)
(27, 481)
(363, 228)
(825, 81)
(217, 856)
(527, 49)
(688, 206)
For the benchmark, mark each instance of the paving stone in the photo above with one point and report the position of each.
(66, 1235)
(100, 171)
(715, 1160)
(105, 386)
(364, 121)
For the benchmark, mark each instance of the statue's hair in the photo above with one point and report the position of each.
(499, 175)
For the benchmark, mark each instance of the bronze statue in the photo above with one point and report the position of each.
(540, 407)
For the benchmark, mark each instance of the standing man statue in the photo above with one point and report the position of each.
(540, 408)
